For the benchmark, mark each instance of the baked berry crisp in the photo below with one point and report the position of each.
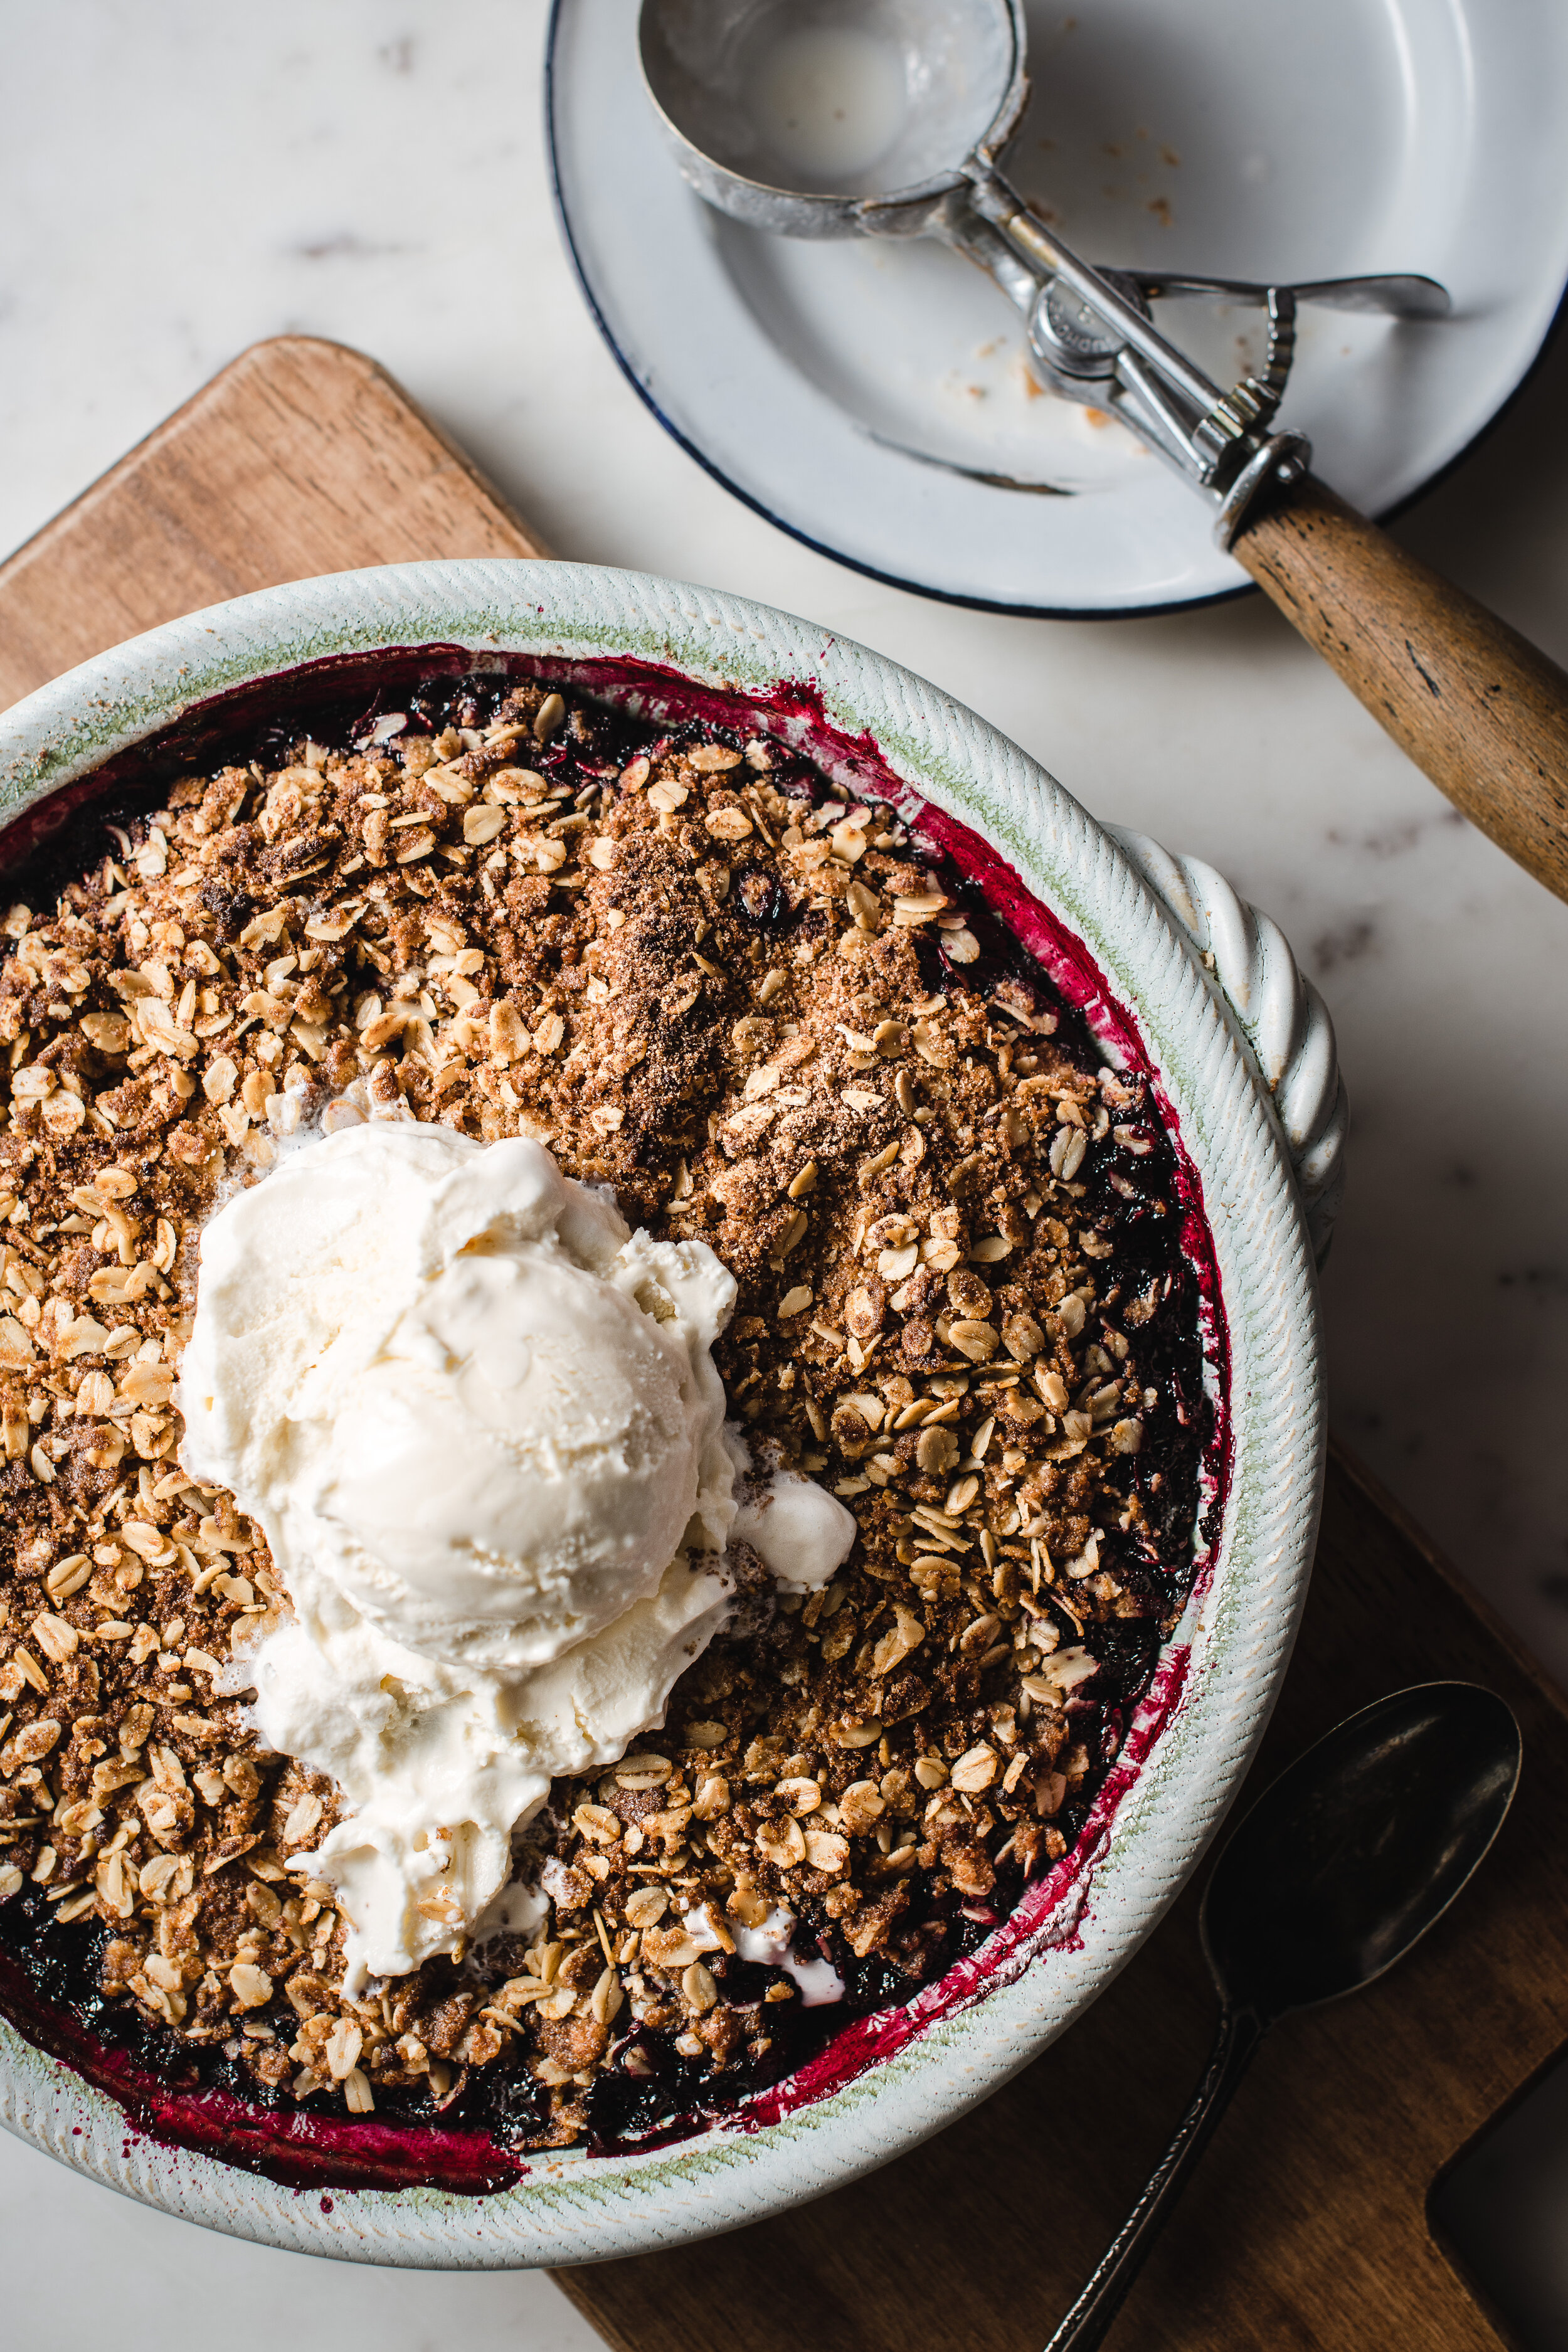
(770, 1016)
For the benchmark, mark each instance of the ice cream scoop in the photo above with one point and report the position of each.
(479, 1424)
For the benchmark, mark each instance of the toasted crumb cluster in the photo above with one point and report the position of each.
(770, 1019)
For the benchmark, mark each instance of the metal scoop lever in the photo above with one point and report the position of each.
(1078, 353)
(1093, 340)
(1396, 297)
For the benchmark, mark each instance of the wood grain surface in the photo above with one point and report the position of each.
(300, 457)
(1305, 2228)
(1479, 709)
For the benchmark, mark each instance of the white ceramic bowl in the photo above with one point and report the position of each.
(1171, 967)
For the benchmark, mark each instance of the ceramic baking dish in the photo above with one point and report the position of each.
(1175, 973)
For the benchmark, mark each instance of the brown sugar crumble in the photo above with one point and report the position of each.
(770, 1019)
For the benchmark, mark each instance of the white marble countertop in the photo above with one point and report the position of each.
(375, 171)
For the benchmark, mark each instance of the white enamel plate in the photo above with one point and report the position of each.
(871, 397)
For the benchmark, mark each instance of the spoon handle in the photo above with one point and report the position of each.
(1091, 2315)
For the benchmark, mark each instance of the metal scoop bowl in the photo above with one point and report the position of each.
(834, 118)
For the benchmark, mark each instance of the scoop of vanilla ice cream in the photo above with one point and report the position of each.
(478, 1423)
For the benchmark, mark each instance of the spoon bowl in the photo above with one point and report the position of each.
(1356, 1850)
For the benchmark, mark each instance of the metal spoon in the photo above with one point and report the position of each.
(1339, 1867)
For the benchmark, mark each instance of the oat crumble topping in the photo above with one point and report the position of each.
(770, 1019)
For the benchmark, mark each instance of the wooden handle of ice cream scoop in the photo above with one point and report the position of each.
(1477, 708)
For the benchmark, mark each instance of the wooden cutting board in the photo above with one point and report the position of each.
(1306, 2226)
(301, 457)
